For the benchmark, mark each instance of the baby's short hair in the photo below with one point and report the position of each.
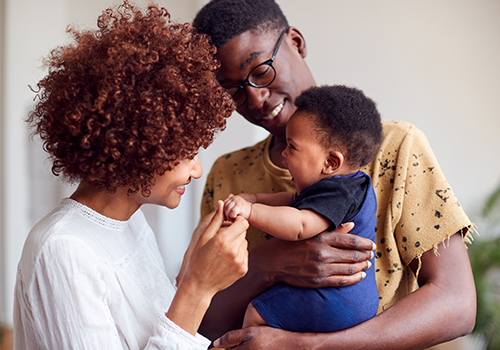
(345, 119)
(222, 20)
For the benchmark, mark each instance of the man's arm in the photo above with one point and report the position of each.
(332, 258)
(443, 308)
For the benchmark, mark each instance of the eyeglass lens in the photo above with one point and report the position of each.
(261, 76)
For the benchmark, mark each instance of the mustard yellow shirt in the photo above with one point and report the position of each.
(417, 209)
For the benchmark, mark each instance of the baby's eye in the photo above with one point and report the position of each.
(192, 156)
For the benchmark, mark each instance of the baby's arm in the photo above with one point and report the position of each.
(280, 221)
(287, 223)
(274, 199)
(241, 203)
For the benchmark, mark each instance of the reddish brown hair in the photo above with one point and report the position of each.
(125, 102)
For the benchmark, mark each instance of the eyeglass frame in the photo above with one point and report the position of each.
(269, 62)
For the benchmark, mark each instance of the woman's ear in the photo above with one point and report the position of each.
(333, 163)
(298, 41)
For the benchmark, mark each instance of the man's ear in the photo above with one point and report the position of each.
(298, 41)
(333, 162)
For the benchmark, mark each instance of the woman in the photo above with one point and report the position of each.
(123, 112)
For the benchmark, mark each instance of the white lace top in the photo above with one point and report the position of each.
(86, 281)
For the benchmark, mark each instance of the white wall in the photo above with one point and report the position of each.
(2, 300)
(433, 63)
(24, 42)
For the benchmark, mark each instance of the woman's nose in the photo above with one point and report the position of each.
(197, 170)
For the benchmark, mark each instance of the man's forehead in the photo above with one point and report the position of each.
(250, 59)
(247, 47)
(241, 52)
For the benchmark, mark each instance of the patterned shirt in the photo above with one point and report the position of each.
(417, 209)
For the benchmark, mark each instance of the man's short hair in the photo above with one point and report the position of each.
(222, 20)
(344, 119)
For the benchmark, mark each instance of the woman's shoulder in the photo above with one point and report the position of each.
(55, 222)
(61, 234)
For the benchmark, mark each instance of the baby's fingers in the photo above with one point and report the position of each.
(229, 210)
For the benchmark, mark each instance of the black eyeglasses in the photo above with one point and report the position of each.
(259, 77)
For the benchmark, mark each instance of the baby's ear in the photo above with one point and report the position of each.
(333, 163)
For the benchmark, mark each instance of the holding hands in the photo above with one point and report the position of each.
(216, 257)
(240, 204)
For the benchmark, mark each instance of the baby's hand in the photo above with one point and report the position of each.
(237, 205)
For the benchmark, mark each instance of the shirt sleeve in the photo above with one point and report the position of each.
(65, 305)
(171, 335)
(337, 199)
(416, 204)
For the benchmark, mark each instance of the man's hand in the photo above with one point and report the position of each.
(257, 338)
(330, 259)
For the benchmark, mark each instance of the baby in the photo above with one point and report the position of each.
(335, 131)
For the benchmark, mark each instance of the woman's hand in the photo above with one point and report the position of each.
(202, 226)
(218, 258)
(330, 259)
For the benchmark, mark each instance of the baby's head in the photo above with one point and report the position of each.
(344, 131)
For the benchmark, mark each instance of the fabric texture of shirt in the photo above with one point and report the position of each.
(86, 281)
(339, 199)
(417, 209)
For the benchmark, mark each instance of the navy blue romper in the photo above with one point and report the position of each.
(340, 199)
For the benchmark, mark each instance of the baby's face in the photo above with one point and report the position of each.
(304, 157)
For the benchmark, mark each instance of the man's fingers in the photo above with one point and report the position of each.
(341, 257)
(345, 227)
(349, 269)
(356, 256)
(339, 238)
(342, 281)
(230, 339)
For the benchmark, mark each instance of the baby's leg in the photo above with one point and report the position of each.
(253, 318)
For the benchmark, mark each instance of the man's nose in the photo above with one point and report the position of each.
(256, 97)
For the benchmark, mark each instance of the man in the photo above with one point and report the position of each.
(263, 68)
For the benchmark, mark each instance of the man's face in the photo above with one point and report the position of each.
(269, 107)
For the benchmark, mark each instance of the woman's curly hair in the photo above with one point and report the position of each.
(127, 101)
